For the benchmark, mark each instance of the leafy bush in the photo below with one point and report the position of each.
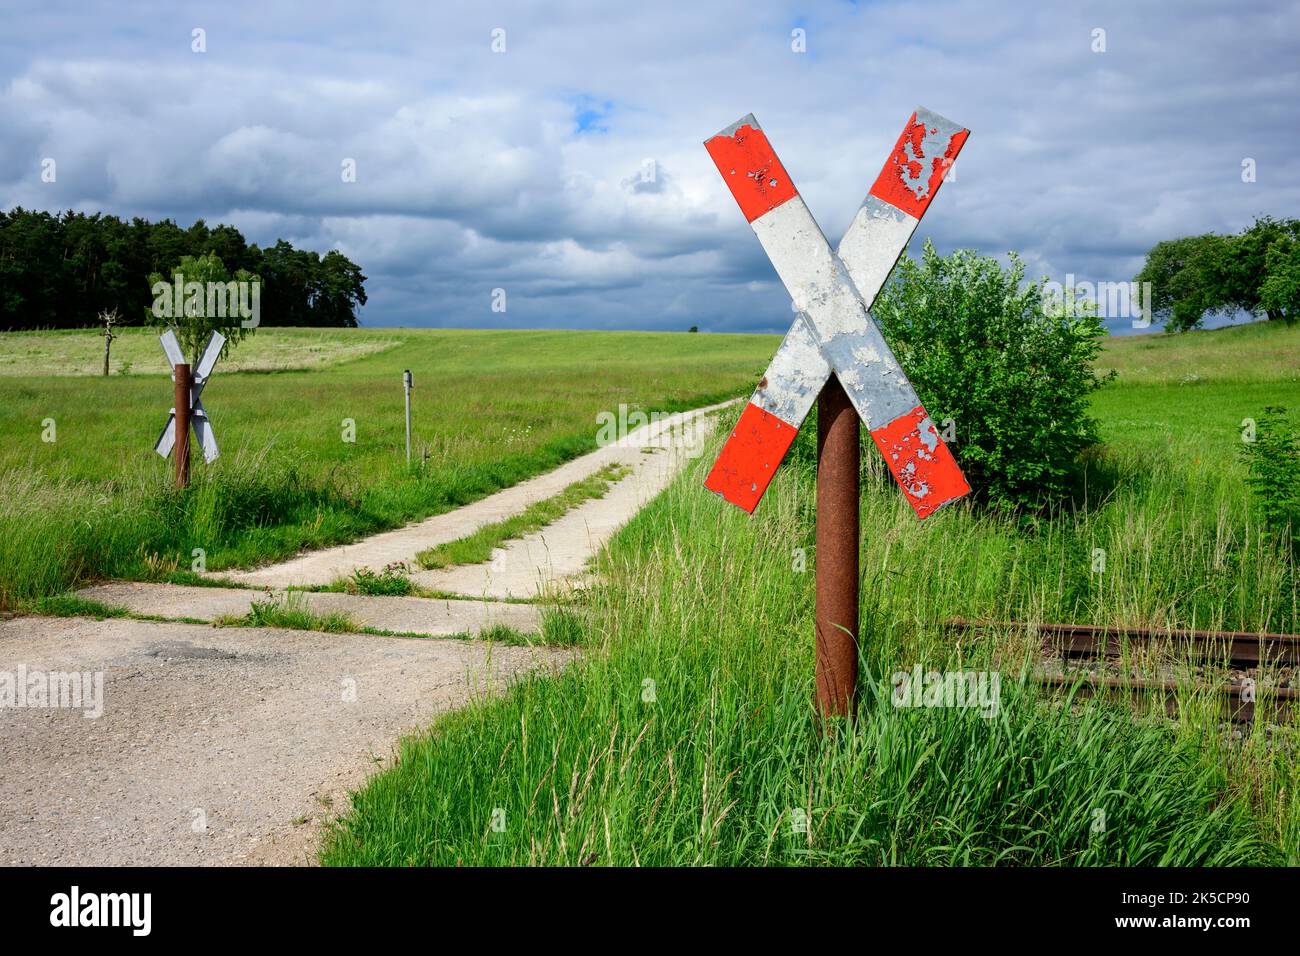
(1272, 456)
(1012, 372)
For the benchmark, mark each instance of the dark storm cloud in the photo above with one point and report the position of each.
(568, 170)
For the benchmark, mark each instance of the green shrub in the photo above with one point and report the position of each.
(1272, 456)
(1012, 374)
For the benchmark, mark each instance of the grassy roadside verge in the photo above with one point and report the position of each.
(57, 534)
(686, 735)
(292, 613)
(478, 547)
(316, 458)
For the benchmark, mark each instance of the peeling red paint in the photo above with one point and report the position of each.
(892, 185)
(750, 457)
(915, 453)
(751, 170)
(920, 462)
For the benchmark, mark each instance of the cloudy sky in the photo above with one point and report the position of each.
(568, 169)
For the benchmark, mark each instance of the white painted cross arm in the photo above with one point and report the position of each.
(834, 332)
(199, 420)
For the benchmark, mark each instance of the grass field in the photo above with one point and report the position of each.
(1256, 352)
(686, 735)
(490, 409)
(135, 351)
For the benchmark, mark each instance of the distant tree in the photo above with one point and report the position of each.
(693, 328)
(1212, 274)
(337, 291)
(32, 271)
(199, 297)
(1243, 266)
(166, 243)
(228, 243)
(109, 318)
(1279, 293)
(1180, 291)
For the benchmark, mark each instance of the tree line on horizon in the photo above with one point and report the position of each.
(1255, 271)
(60, 271)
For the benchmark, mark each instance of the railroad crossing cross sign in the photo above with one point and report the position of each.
(196, 414)
(834, 333)
(835, 355)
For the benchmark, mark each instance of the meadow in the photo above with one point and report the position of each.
(687, 735)
(490, 408)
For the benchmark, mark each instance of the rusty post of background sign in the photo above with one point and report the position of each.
(182, 399)
(838, 457)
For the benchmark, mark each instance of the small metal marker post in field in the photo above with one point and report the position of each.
(834, 354)
(407, 385)
(188, 411)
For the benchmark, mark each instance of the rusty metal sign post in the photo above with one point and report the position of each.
(188, 411)
(835, 354)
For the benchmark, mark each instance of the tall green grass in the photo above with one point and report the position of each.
(491, 408)
(1154, 541)
(57, 533)
(686, 735)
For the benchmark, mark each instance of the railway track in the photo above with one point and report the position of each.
(1236, 655)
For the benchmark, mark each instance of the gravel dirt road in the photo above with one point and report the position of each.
(236, 745)
(215, 746)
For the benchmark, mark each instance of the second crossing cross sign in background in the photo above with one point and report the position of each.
(834, 353)
(188, 412)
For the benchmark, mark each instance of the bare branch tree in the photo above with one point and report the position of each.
(109, 318)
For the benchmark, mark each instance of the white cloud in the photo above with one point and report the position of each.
(472, 173)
